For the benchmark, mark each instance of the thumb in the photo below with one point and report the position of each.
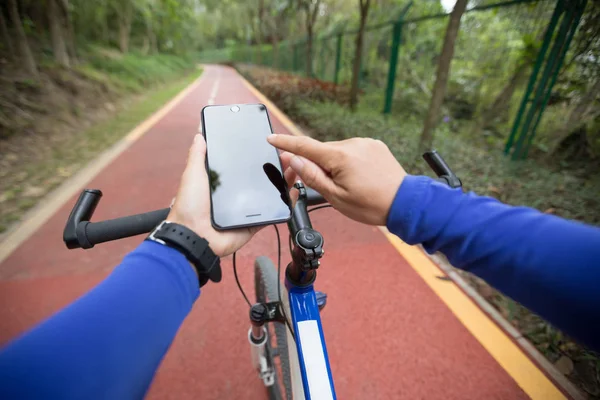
(195, 170)
(197, 154)
(197, 151)
(312, 175)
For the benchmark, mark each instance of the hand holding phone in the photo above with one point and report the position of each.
(192, 205)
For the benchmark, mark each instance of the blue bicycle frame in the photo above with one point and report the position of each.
(313, 360)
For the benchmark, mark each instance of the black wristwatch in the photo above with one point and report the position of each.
(192, 246)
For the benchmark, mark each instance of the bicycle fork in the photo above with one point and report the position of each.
(260, 314)
(257, 336)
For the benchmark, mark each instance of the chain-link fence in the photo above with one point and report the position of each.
(495, 54)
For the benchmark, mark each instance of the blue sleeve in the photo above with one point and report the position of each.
(548, 264)
(108, 343)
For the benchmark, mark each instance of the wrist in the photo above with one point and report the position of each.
(389, 197)
(407, 207)
(194, 247)
(177, 218)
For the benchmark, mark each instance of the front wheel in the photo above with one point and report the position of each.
(265, 283)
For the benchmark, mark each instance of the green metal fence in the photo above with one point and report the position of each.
(495, 49)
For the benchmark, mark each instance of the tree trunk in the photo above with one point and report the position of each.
(153, 43)
(104, 23)
(443, 71)
(151, 37)
(145, 46)
(125, 27)
(26, 56)
(275, 44)
(309, 45)
(6, 36)
(491, 113)
(58, 43)
(70, 31)
(149, 43)
(364, 12)
(259, 35)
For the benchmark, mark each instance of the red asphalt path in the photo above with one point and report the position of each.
(388, 335)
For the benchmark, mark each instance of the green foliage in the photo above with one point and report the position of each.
(177, 25)
(494, 56)
(526, 183)
(133, 71)
(531, 183)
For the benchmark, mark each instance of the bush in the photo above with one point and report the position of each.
(288, 89)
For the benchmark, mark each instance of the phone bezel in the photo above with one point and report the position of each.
(212, 217)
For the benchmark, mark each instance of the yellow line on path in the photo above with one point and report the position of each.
(59, 196)
(498, 344)
(509, 355)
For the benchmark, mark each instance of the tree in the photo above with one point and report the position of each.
(124, 12)
(259, 27)
(70, 30)
(56, 32)
(311, 11)
(278, 12)
(5, 35)
(443, 71)
(148, 10)
(25, 53)
(364, 12)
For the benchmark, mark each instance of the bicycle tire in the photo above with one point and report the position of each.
(265, 284)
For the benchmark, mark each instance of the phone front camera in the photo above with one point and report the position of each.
(235, 109)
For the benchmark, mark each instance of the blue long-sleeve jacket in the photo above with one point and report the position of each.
(109, 343)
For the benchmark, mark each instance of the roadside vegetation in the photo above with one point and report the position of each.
(75, 77)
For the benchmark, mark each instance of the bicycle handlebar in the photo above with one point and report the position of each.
(441, 169)
(314, 198)
(119, 228)
(81, 233)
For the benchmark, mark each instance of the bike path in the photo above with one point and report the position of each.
(389, 335)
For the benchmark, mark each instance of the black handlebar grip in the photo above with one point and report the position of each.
(437, 163)
(82, 211)
(118, 228)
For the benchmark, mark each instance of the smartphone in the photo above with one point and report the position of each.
(247, 187)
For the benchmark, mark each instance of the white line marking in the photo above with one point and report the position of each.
(213, 94)
(215, 89)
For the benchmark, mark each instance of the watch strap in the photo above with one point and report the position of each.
(192, 246)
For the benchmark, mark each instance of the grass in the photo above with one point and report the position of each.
(132, 71)
(481, 170)
(64, 154)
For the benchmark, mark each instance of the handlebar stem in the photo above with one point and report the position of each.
(307, 242)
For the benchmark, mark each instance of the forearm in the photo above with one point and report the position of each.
(108, 343)
(546, 263)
